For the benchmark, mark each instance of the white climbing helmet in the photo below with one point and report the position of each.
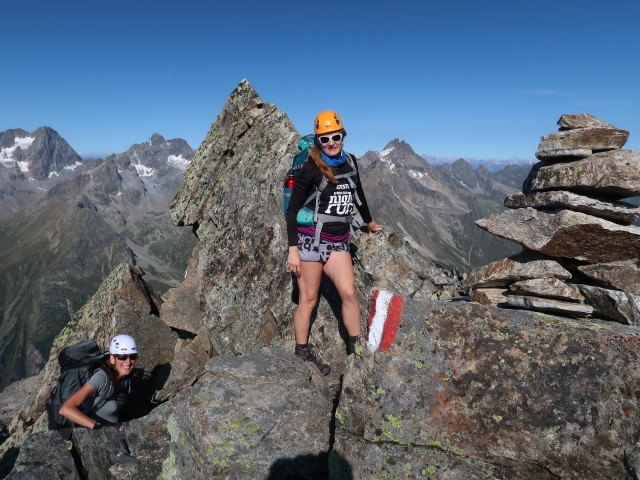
(122, 345)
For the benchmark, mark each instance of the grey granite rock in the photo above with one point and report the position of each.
(617, 276)
(614, 174)
(248, 416)
(522, 266)
(550, 305)
(566, 234)
(615, 305)
(582, 120)
(467, 391)
(580, 143)
(44, 456)
(98, 451)
(547, 287)
(616, 211)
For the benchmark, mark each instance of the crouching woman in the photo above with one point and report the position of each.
(98, 402)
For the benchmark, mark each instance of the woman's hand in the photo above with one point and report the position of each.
(373, 227)
(293, 262)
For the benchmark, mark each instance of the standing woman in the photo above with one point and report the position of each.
(308, 257)
(105, 387)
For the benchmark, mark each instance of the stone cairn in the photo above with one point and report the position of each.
(581, 251)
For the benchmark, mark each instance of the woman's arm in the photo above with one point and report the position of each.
(71, 408)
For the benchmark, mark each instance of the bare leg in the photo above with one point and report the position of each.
(308, 284)
(340, 270)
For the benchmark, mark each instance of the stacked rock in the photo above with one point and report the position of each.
(581, 253)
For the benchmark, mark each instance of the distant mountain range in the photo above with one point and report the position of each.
(65, 223)
(493, 165)
(436, 206)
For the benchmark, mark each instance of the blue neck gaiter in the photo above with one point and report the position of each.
(334, 162)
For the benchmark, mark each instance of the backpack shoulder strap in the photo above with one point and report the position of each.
(349, 176)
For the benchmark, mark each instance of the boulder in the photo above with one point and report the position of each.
(614, 174)
(12, 400)
(580, 143)
(180, 307)
(579, 136)
(490, 296)
(547, 287)
(559, 307)
(614, 305)
(44, 456)
(623, 276)
(582, 120)
(467, 391)
(250, 416)
(566, 234)
(522, 266)
(616, 211)
(98, 451)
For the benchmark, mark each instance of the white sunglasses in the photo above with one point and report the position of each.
(324, 139)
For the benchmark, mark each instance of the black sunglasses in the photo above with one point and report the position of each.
(324, 139)
(133, 356)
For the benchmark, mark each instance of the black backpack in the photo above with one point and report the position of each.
(77, 363)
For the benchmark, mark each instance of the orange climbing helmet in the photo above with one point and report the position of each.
(327, 122)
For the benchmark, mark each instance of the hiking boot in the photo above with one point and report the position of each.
(309, 355)
(354, 345)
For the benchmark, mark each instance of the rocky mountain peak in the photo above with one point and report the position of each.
(156, 138)
(232, 194)
(156, 159)
(397, 148)
(39, 155)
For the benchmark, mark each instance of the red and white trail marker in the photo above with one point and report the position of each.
(385, 314)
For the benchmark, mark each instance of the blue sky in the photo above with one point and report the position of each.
(457, 79)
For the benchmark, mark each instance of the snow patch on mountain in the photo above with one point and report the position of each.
(74, 166)
(23, 143)
(144, 171)
(390, 165)
(386, 152)
(178, 161)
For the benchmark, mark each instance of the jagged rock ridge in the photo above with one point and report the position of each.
(232, 194)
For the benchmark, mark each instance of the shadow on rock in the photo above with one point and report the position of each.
(8, 460)
(312, 467)
(303, 467)
(144, 386)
